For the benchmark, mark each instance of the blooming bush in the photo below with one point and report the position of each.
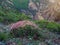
(22, 24)
(27, 31)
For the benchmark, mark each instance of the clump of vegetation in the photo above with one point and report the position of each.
(51, 26)
(3, 36)
(42, 23)
(9, 16)
(27, 31)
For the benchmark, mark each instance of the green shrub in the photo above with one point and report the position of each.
(9, 16)
(3, 36)
(42, 23)
(27, 31)
(51, 26)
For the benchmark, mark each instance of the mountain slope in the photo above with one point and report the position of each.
(48, 9)
(38, 9)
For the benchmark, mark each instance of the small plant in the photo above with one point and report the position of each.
(27, 31)
(51, 26)
(42, 23)
(3, 36)
(9, 16)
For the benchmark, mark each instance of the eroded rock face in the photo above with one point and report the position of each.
(32, 5)
(7, 4)
(37, 7)
(55, 10)
(47, 9)
(40, 9)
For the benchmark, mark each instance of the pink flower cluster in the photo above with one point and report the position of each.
(17, 24)
(21, 24)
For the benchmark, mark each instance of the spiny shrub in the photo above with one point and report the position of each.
(51, 26)
(27, 31)
(42, 23)
(3, 36)
(9, 16)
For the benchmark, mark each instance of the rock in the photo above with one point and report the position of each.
(1, 43)
(14, 41)
(32, 5)
(42, 43)
(38, 16)
(11, 43)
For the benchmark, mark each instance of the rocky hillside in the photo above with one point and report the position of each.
(28, 22)
(38, 9)
(46, 9)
